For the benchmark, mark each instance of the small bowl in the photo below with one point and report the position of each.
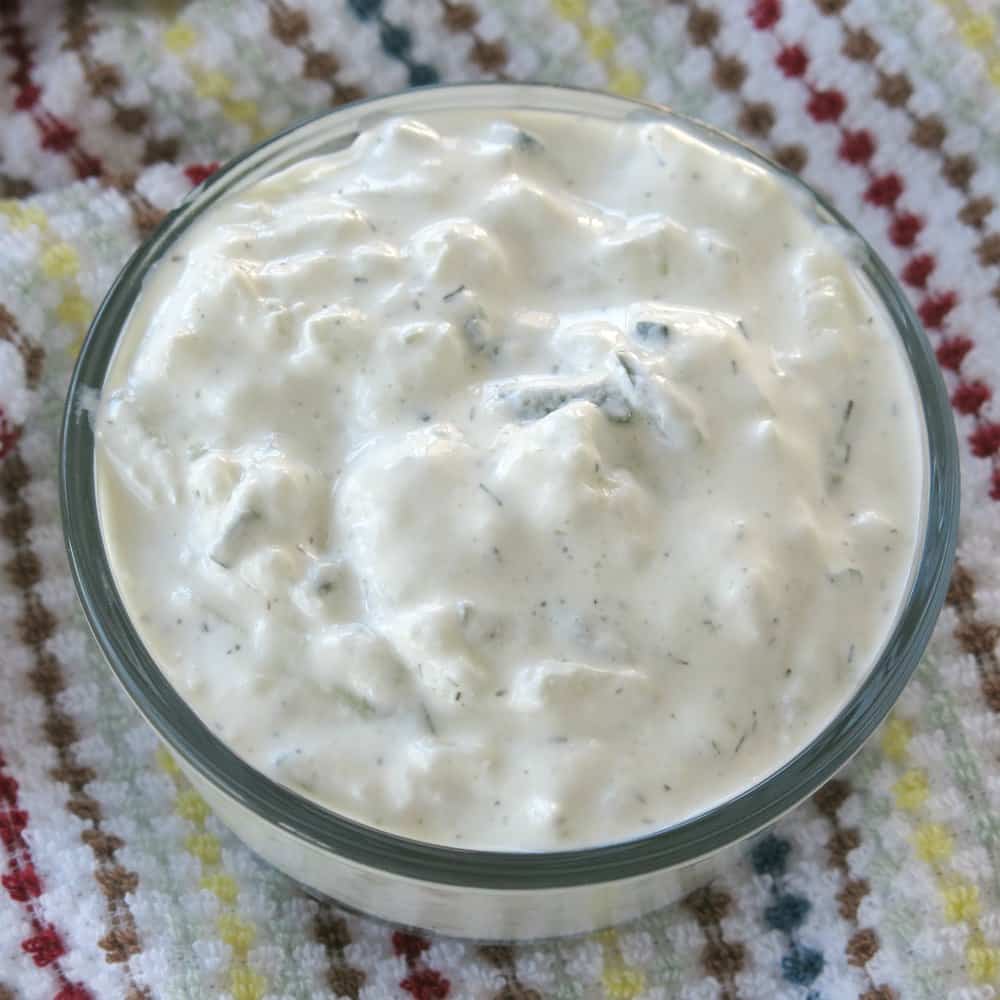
(470, 893)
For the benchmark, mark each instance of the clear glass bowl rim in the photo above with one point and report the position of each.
(683, 843)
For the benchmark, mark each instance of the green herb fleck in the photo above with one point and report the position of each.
(527, 143)
(360, 706)
(428, 721)
(491, 494)
(650, 332)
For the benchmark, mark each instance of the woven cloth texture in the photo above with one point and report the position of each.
(115, 879)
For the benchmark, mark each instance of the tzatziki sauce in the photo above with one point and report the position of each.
(513, 481)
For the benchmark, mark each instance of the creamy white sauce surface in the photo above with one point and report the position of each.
(522, 483)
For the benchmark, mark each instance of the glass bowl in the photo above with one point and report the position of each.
(485, 894)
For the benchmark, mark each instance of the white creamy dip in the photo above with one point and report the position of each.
(519, 483)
